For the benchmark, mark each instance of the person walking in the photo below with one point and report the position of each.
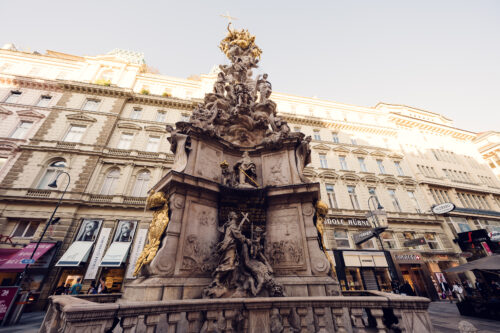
(60, 290)
(445, 289)
(92, 290)
(458, 291)
(76, 288)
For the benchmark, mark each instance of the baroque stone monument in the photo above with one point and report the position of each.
(235, 217)
(235, 243)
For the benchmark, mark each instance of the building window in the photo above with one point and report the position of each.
(381, 166)
(74, 134)
(53, 170)
(185, 117)
(25, 229)
(440, 196)
(91, 104)
(141, 184)
(399, 169)
(153, 144)
(388, 240)
(21, 130)
(161, 116)
(335, 137)
(342, 238)
(354, 142)
(296, 129)
(431, 241)
(3, 160)
(367, 245)
(343, 163)
(352, 195)
(330, 193)
(395, 202)
(372, 192)
(136, 113)
(125, 141)
(44, 101)
(362, 164)
(317, 136)
(413, 199)
(322, 161)
(109, 184)
(13, 97)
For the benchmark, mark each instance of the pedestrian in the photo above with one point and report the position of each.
(458, 290)
(468, 288)
(445, 289)
(66, 289)
(60, 290)
(76, 288)
(92, 290)
(406, 289)
(102, 289)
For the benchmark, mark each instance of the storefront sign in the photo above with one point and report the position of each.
(7, 297)
(363, 236)
(16, 261)
(348, 222)
(414, 242)
(97, 255)
(494, 236)
(443, 208)
(364, 259)
(140, 241)
(465, 254)
(408, 257)
(486, 247)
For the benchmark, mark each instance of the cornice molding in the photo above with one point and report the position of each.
(80, 117)
(158, 129)
(30, 114)
(128, 125)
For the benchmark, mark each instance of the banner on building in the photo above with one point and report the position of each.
(97, 255)
(118, 251)
(140, 241)
(7, 297)
(80, 249)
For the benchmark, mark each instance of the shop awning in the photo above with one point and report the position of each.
(78, 252)
(14, 261)
(5, 254)
(116, 254)
(490, 263)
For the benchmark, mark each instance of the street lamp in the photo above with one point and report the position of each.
(381, 223)
(49, 222)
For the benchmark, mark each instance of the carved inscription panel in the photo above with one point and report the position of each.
(276, 169)
(284, 246)
(201, 239)
(208, 161)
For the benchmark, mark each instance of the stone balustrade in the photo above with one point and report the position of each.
(379, 312)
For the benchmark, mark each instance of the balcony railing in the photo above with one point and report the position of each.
(134, 200)
(101, 198)
(36, 193)
(367, 312)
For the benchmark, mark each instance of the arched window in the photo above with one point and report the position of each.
(109, 184)
(53, 170)
(141, 184)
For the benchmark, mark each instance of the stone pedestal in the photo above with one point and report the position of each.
(198, 204)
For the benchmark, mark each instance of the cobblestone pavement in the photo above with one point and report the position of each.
(445, 318)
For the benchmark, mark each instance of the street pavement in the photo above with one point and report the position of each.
(444, 317)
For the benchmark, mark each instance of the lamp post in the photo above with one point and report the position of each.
(49, 222)
(380, 223)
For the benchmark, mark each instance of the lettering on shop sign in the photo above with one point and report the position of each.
(443, 208)
(347, 222)
(408, 257)
(363, 236)
(414, 242)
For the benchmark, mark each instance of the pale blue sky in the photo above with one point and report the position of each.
(442, 56)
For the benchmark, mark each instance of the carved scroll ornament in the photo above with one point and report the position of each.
(321, 211)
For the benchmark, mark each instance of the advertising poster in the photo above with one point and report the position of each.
(140, 241)
(7, 297)
(97, 255)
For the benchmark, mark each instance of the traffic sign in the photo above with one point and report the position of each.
(27, 261)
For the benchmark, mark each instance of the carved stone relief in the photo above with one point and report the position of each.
(207, 163)
(276, 169)
(284, 246)
(201, 239)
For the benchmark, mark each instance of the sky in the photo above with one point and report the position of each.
(441, 56)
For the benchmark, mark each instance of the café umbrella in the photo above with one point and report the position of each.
(490, 263)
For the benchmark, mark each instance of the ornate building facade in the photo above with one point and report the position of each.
(102, 121)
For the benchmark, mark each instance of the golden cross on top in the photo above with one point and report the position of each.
(229, 17)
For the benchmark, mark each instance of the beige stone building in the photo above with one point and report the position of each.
(102, 120)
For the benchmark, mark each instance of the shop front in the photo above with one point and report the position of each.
(411, 268)
(478, 243)
(437, 264)
(362, 270)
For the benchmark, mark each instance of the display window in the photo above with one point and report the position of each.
(113, 278)
(8, 278)
(70, 276)
(353, 278)
(383, 279)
